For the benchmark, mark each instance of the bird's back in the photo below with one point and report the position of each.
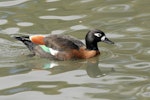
(63, 42)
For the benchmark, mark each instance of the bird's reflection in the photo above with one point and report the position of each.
(91, 66)
(94, 69)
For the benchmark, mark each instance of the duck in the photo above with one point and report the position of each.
(65, 47)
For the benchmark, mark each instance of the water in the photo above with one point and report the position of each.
(121, 72)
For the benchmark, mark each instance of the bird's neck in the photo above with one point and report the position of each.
(91, 45)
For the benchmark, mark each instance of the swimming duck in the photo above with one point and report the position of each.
(65, 47)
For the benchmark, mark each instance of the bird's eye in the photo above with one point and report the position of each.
(97, 34)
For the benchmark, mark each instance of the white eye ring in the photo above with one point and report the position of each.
(103, 38)
(97, 34)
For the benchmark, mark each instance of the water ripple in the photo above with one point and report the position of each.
(146, 51)
(144, 91)
(51, 9)
(106, 53)
(11, 3)
(25, 24)
(118, 20)
(3, 21)
(11, 30)
(128, 45)
(114, 35)
(121, 8)
(58, 31)
(86, 1)
(65, 18)
(135, 29)
(78, 27)
(52, 0)
(139, 65)
(121, 78)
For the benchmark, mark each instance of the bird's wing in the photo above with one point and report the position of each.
(62, 42)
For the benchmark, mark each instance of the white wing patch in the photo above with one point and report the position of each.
(53, 51)
(49, 50)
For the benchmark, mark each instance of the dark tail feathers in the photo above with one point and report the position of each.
(26, 41)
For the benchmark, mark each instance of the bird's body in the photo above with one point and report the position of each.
(64, 47)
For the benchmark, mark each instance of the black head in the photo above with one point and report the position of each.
(94, 36)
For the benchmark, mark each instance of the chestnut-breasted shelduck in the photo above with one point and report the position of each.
(65, 47)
